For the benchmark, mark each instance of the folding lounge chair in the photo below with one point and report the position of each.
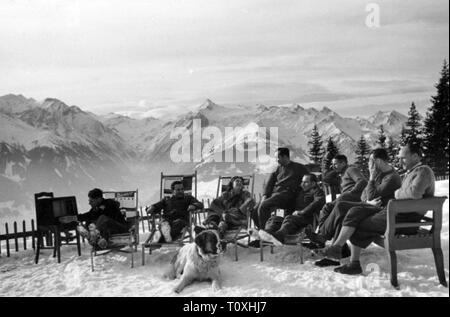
(125, 242)
(190, 187)
(233, 235)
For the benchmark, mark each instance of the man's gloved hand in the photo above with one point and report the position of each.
(192, 208)
(150, 210)
(298, 213)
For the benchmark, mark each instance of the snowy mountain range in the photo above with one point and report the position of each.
(50, 146)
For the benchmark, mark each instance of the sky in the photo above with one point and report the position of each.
(167, 56)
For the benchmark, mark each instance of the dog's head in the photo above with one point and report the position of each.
(208, 244)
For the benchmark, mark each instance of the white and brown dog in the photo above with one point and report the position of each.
(198, 261)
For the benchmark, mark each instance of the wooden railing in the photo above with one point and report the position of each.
(442, 177)
(12, 237)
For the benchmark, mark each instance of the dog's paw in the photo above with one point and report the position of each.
(216, 286)
(253, 233)
(169, 276)
(177, 290)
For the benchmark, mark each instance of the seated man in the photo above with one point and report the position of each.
(332, 179)
(308, 203)
(352, 185)
(281, 189)
(231, 209)
(383, 182)
(418, 183)
(104, 219)
(175, 213)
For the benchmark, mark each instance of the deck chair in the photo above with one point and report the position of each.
(234, 235)
(420, 237)
(331, 191)
(125, 242)
(190, 187)
(51, 226)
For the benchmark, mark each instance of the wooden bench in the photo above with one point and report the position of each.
(424, 238)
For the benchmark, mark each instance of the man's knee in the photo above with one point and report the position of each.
(178, 223)
(266, 204)
(273, 223)
(296, 219)
(339, 204)
(325, 211)
(342, 208)
(266, 209)
(102, 221)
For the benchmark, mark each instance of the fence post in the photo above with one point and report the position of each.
(33, 235)
(7, 240)
(24, 229)
(16, 240)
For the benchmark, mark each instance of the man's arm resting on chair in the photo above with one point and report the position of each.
(194, 204)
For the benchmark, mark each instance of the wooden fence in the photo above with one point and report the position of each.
(13, 237)
(442, 177)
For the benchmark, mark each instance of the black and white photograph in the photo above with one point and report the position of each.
(208, 149)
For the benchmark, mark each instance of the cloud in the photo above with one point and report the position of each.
(386, 87)
(145, 55)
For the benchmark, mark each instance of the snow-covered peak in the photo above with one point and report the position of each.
(217, 113)
(389, 118)
(207, 105)
(53, 104)
(16, 103)
(16, 132)
(261, 108)
(296, 108)
(327, 111)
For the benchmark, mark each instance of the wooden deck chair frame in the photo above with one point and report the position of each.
(234, 235)
(129, 202)
(52, 231)
(186, 234)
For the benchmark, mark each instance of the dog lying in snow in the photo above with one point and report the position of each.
(198, 261)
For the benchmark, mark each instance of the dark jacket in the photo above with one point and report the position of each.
(108, 207)
(230, 200)
(384, 186)
(353, 181)
(286, 178)
(331, 178)
(311, 201)
(174, 208)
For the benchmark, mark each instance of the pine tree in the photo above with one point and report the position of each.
(330, 152)
(362, 156)
(403, 136)
(381, 138)
(436, 126)
(413, 125)
(315, 147)
(392, 150)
